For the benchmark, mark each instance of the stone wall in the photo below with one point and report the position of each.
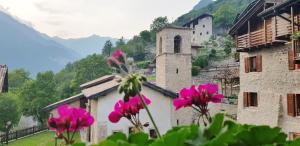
(272, 85)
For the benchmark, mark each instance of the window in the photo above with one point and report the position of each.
(200, 33)
(177, 122)
(177, 44)
(253, 64)
(160, 45)
(193, 32)
(177, 71)
(207, 32)
(152, 133)
(117, 131)
(250, 99)
(203, 26)
(293, 105)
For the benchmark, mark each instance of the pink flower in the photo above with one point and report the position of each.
(127, 109)
(119, 55)
(198, 97)
(70, 120)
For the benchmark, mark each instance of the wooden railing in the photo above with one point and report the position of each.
(283, 27)
(297, 50)
(243, 41)
(257, 38)
(21, 133)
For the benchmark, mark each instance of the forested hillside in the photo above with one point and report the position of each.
(224, 12)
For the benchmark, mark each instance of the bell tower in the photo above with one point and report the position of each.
(173, 58)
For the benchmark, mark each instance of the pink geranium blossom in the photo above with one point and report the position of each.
(119, 55)
(70, 120)
(129, 110)
(198, 98)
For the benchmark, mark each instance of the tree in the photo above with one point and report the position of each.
(9, 111)
(107, 49)
(146, 36)
(120, 42)
(201, 61)
(213, 53)
(17, 78)
(37, 94)
(228, 44)
(224, 16)
(158, 24)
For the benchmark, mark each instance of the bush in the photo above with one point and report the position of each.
(213, 53)
(143, 64)
(201, 61)
(195, 70)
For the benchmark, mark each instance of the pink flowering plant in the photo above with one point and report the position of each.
(133, 101)
(129, 110)
(198, 99)
(69, 121)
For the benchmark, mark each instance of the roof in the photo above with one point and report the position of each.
(64, 101)
(97, 81)
(272, 11)
(195, 20)
(174, 27)
(242, 18)
(112, 85)
(3, 78)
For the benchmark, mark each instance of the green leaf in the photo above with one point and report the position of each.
(215, 126)
(79, 144)
(117, 136)
(140, 139)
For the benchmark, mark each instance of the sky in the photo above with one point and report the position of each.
(81, 18)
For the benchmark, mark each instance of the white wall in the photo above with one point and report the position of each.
(160, 108)
(204, 26)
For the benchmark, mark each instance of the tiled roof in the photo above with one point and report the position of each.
(3, 78)
(64, 101)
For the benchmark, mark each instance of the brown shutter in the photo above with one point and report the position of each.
(291, 60)
(247, 65)
(291, 105)
(246, 101)
(259, 63)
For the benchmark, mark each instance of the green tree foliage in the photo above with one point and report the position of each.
(224, 16)
(158, 24)
(228, 44)
(121, 42)
(201, 61)
(36, 94)
(17, 78)
(213, 53)
(9, 110)
(195, 70)
(107, 49)
(146, 36)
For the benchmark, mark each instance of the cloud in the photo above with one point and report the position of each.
(45, 7)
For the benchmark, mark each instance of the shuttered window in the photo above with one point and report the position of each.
(253, 64)
(291, 60)
(250, 99)
(291, 105)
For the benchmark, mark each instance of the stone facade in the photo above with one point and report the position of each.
(202, 29)
(173, 70)
(272, 86)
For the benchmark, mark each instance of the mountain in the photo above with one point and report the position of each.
(202, 4)
(23, 47)
(85, 46)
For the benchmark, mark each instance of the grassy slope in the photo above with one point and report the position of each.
(41, 139)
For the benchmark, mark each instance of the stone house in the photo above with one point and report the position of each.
(3, 78)
(269, 64)
(202, 31)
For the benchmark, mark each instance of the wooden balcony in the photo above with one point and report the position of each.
(274, 31)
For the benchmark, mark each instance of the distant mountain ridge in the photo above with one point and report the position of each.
(86, 45)
(202, 4)
(23, 47)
